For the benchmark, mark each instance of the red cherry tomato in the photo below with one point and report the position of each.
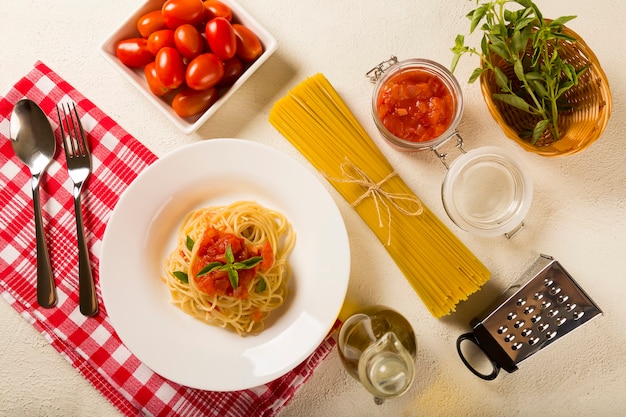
(249, 46)
(150, 22)
(179, 12)
(160, 39)
(221, 38)
(189, 102)
(189, 41)
(233, 68)
(155, 85)
(216, 8)
(204, 71)
(170, 67)
(134, 52)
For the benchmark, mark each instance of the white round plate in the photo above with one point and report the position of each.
(142, 232)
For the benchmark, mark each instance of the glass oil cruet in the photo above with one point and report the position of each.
(377, 347)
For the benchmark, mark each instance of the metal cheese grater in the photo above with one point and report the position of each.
(542, 306)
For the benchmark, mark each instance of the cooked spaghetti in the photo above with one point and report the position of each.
(441, 269)
(229, 267)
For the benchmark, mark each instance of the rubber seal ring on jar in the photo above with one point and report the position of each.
(417, 104)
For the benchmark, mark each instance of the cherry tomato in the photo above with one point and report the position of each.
(189, 102)
(216, 8)
(179, 12)
(221, 37)
(150, 22)
(155, 85)
(159, 39)
(233, 68)
(189, 41)
(249, 46)
(170, 67)
(204, 71)
(134, 52)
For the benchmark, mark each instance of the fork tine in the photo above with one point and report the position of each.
(81, 138)
(73, 131)
(63, 133)
(74, 138)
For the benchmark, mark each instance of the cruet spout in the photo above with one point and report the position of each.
(386, 368)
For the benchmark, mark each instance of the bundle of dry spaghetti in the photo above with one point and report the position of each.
(440, 268)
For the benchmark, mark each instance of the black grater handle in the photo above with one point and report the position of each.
(472, 338)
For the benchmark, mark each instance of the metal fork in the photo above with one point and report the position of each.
(78, 160)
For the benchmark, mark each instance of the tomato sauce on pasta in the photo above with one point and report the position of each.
(229, 267)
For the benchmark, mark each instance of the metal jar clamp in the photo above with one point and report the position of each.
(485, 191)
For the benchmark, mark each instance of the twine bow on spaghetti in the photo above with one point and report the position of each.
(401, 201)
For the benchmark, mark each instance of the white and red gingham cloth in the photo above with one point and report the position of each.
(91, 344)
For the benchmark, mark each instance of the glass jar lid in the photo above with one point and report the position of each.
(487, 192)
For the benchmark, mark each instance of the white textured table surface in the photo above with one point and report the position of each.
(577, 216)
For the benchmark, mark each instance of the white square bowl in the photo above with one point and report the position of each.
(135, 76)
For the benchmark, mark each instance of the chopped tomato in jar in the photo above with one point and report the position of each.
(415, 106)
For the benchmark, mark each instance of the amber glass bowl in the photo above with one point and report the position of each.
(579, 127)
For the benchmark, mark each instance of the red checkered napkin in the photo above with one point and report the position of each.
(91, 344)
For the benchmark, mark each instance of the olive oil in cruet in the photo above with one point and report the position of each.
(377, 347)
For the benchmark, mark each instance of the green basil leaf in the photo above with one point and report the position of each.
(477, 16)
(537, 12)
(234, 278)
(511, 16)
(182, 276)
(569, 71)
(581, 72)
(230, 258)
(536, 56)
(261, 286)
(519, 70)
(565, 37)
(501, 79)
(484, 46)
(540, 127)
(565, 86)
(539, 88)
(476, 74)
(513, 100)
(248, 263)
(209, 268)
(500, 51)
(189, 243)
(455, 61)
(459, 41)
(518, 43)
(533, 76)
(560, 21)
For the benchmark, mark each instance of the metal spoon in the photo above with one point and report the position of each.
(34, 144)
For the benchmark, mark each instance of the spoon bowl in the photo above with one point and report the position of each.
(34, 144)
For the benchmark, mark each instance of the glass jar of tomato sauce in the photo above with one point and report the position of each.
(417, 103)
